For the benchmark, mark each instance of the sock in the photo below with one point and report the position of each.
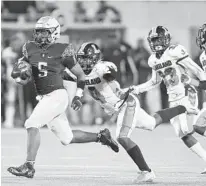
(197, 148)
(200, 130)
(169, 113)
(31, 162)
(136, 154)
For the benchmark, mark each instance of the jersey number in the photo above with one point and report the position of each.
(171, 78)
(42, 66)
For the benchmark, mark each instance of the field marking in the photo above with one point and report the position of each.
(74, 166)
(110, 176)
(72, 158)
(105, 166)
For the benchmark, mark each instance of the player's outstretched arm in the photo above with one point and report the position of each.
(193, 68)
(78, 72)
(152, 83)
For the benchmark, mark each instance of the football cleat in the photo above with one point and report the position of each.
(25, 170)
(145, 176)
(104, 137)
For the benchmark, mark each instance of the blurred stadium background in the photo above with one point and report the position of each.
(120, 28)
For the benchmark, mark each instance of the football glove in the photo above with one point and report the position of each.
(22, 72)
(76, 103)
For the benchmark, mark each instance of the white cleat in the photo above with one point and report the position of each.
(204, 171)
(145, 177)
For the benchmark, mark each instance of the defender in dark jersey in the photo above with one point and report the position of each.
(43, 60)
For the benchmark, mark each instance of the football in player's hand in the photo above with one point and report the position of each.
(25, 70)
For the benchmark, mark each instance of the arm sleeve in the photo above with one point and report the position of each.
(152, 83)
(68, 57)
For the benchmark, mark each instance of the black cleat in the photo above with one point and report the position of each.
(105, 138)
(26, 170)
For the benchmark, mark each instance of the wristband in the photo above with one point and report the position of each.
(79, 92)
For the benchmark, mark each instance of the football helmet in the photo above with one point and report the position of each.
(87, 56)
(159, 39)
(47, 31)
(201, 37)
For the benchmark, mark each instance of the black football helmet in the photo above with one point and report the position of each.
(159, 39)
(87, 56)
(201, 37)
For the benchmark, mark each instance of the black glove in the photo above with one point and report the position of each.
(76, 103)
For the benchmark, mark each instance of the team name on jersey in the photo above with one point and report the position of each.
(93, 81)
(163, 65)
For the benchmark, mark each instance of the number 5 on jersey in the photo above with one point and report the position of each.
(42, 67)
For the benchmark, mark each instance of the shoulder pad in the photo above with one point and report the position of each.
(68, 51)
(177, 51)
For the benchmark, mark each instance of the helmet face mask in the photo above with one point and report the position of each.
(159, 39)
(87, 56)
(47, 31)
(201, 38)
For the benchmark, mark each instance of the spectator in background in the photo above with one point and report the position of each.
(120, 53)
(3, 89)
(9, 57)
(17, 97)
(80, 13)
(141, 55)
(27, 93)
(107, 13)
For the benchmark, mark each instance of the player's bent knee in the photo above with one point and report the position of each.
(66, 141)
(123, 140)
(31, 124)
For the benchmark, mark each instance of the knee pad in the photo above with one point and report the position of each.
(67, 140)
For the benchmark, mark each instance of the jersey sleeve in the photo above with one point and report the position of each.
(193, 68)
(178, 53)
(68, 57)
